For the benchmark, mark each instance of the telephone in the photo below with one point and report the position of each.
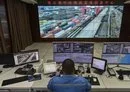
(111, 71)
(26, 70)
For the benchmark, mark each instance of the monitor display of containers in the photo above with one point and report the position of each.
(80, 21)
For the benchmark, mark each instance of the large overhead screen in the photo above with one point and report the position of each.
(80, 21)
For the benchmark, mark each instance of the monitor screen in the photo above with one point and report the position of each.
(111, 58)
(111, 52)
(125, 53)
(79, 52)
(25, 57)
(124, 59)
(125, 48)
(7, 59)
(80, 21)
(116, 52)
(99, 64)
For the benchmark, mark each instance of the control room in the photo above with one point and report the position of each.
(64, 45)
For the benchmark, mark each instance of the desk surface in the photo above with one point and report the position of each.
(106, 83)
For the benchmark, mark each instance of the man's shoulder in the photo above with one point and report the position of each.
(76, 78)
(82, 79)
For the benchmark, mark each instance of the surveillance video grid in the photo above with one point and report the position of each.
(79, 52)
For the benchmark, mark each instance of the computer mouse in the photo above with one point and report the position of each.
(120, 77)
(94, 79)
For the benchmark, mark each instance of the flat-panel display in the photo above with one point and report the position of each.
(79, 52)
(87, 21)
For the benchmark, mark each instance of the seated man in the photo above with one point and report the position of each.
(68, 82)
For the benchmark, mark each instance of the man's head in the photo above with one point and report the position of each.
(68, 66)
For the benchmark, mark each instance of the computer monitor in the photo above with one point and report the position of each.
(79, 52)
(99, 64)
(111, 52)
(7, 59)
(116, 52)
(111, 58)
(25, 57)
(125, 54)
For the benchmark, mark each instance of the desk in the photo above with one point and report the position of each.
(107, 84)
(113, 84)
(17, 87)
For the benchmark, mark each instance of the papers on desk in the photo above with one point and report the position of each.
(126, 77)
(49, 67)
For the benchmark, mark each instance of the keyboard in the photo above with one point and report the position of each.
(91, 80)
(14, 80)
(124, 72)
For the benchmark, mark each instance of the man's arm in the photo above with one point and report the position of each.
(88, 86)
(50, 85)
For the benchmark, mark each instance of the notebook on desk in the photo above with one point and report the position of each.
(49, 67)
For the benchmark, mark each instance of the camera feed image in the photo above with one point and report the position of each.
(80, 21)
(25, 57)
(82, 52)
(112, 48)
(111, 58)
(125, 58)
(126, 48)
(125, 54)
(82, 48)
(61, 51)
(78, 52)
(62, 47)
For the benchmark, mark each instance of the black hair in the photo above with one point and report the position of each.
(68, 66)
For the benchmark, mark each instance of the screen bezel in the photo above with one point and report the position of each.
(27, 51)
(100, 39)
(96, 67)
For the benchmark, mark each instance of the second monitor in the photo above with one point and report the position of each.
(79, 52)
(99, 64)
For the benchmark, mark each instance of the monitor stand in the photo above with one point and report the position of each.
(98, 72)
(120, 66)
